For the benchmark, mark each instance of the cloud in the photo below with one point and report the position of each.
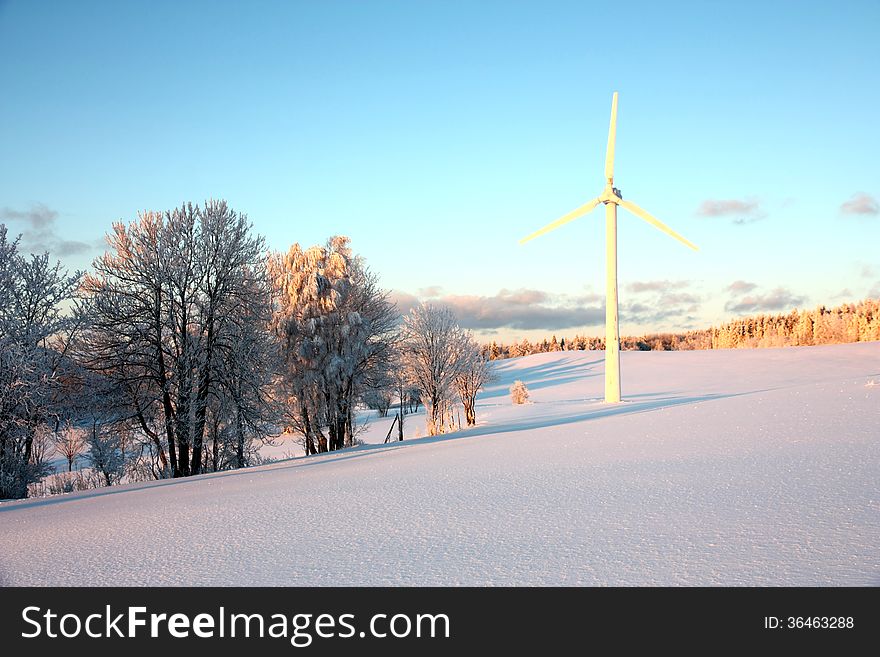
(683, 298)
(778, 299)
(588, 298)
(529, 309)
(740, 287)
(862, 204)
(867, 271)
(523, 297)
(661, 302)
(404, 301)
(874, 292)
(38, 231)
(741, 212)
(648, 314)
(522, 309)
(39, 217)
(655, 286)
(430, 292)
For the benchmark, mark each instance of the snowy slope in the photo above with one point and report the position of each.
(722, 467)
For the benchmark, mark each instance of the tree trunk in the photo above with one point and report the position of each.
(470, 414)
(167, 408)
(349, 427)
(182, 424)
(239, 447)
(332, 437)
(307, 429)
(170, 436)
(214, 455)
(202, 396)
(400, 395)
(160, 451)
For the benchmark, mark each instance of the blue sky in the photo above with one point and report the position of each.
(436, 134)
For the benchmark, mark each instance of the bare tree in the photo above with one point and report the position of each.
(249, 408)
(401, 386)
(34, 334)
(474, 375)
(70, 443)
(434, 351)
(379, 399)
(168, 305)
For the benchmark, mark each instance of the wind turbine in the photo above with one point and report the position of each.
(611, 197)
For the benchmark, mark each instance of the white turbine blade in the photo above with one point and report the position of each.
(636, 210)
(612, 139)
(571, 216)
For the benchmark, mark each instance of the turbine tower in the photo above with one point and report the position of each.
(611, 197)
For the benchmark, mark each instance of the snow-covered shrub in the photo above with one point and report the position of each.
(519, 394)
(65, 482)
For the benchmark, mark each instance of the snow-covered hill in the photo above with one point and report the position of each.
(722, 467)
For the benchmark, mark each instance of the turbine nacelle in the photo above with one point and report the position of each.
(610, 195)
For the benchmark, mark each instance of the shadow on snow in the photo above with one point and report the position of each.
(536, 420)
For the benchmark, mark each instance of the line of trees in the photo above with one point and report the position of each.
(187, 345)
(849, 322)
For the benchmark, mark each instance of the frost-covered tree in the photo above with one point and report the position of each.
(435, 352)
(42, 449)
(337, 330)
(169, 304)
(246, 404)
(474, 375)
(106, 454)
(98, 411)
(405, 394)
(35, 330)
(380, 399)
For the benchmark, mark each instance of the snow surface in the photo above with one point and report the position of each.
(740, 467)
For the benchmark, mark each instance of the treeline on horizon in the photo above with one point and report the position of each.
(848, 322)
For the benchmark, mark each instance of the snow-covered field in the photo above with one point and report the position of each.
(745, 467)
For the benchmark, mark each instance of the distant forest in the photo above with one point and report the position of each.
(850, 322)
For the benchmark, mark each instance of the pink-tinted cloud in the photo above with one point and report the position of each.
(521, 310)
(656, 286)
(778, 299)
(740, 287)
(430, 292)
(739, 211)
(529, 309)
(861, 204)
(404, 301)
